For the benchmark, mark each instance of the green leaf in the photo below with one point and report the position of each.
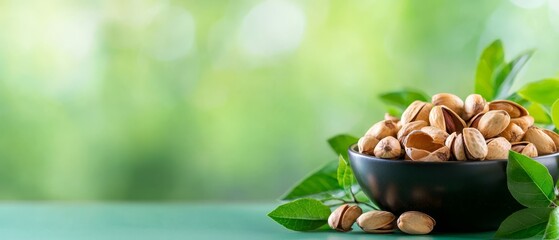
(506, 75)
(539, 113)
(322, 180)
(529, 181)
(404, 98)
(340, 143)
(345, 174)
(545, 91)
(555, 113)
(492, 57)
(304, 214)
(361, 197)
(524, 223)
(552, 229)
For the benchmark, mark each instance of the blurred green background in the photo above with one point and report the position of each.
(225, 100)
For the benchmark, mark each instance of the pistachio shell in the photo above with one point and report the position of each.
(413, 222)
(409, 127)
(438, 135)
(383, 129)
(473, 105)
(343, 217)
(450, 140)
(458, 148)
(410, 114)
(376, 220)
(423, 114)
(474, 144)
(440, 155)
(542, 141)
(388, 147)
(553, 135)
(352, 213)
(474, 121)
(367, 144)
(513, 133)
(449, 100)
(526, 148)
(420, 146)
(513, 109)
(444, 118)
(523, 122)
(493, 122)
(498, 148)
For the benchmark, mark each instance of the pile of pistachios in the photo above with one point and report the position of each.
(412, 222)
(448, 128)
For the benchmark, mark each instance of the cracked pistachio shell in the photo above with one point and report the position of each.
(383, 129)
(526, 148)
(414, 222)
(553, 135)
(389, 148)
(420, 146)
(513, 133)
(458, 148)
(446, 119)
(493, 122)
(474, 144)
(344, 217)
(367, 144)
(417, 110)
(498, 148)
(451, 101)
(473, 105)
(513, 109)
(373, 221)
(474, 121)
(541, 140)
(438, 135)
(523, 122)
(409, 127)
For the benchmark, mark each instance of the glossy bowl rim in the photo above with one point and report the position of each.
(353, 148)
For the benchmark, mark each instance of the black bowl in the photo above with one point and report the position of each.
(461, 196)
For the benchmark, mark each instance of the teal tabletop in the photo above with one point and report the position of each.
(163, 221)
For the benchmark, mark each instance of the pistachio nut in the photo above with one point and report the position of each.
(523, 122)
(493, 122)
(526, 148)
(449, 143)
(420, 146)
(438, 135)
(383, 129)
(498, 148)
(417, 110)
(414, 222)
(553, 135)
(344, 217)
(388, 147)
(409, 127)
(387, 116)
(376, 221)
(449, 100)
(474, 104)
(367, 144)
(446, 119)
(515, 110)
(541, 140)
(474, 144)
(458, 148)
(513, 133)
(474, 121)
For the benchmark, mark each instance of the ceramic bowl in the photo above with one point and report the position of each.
(462, 196)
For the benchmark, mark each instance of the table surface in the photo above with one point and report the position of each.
(164, 221)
